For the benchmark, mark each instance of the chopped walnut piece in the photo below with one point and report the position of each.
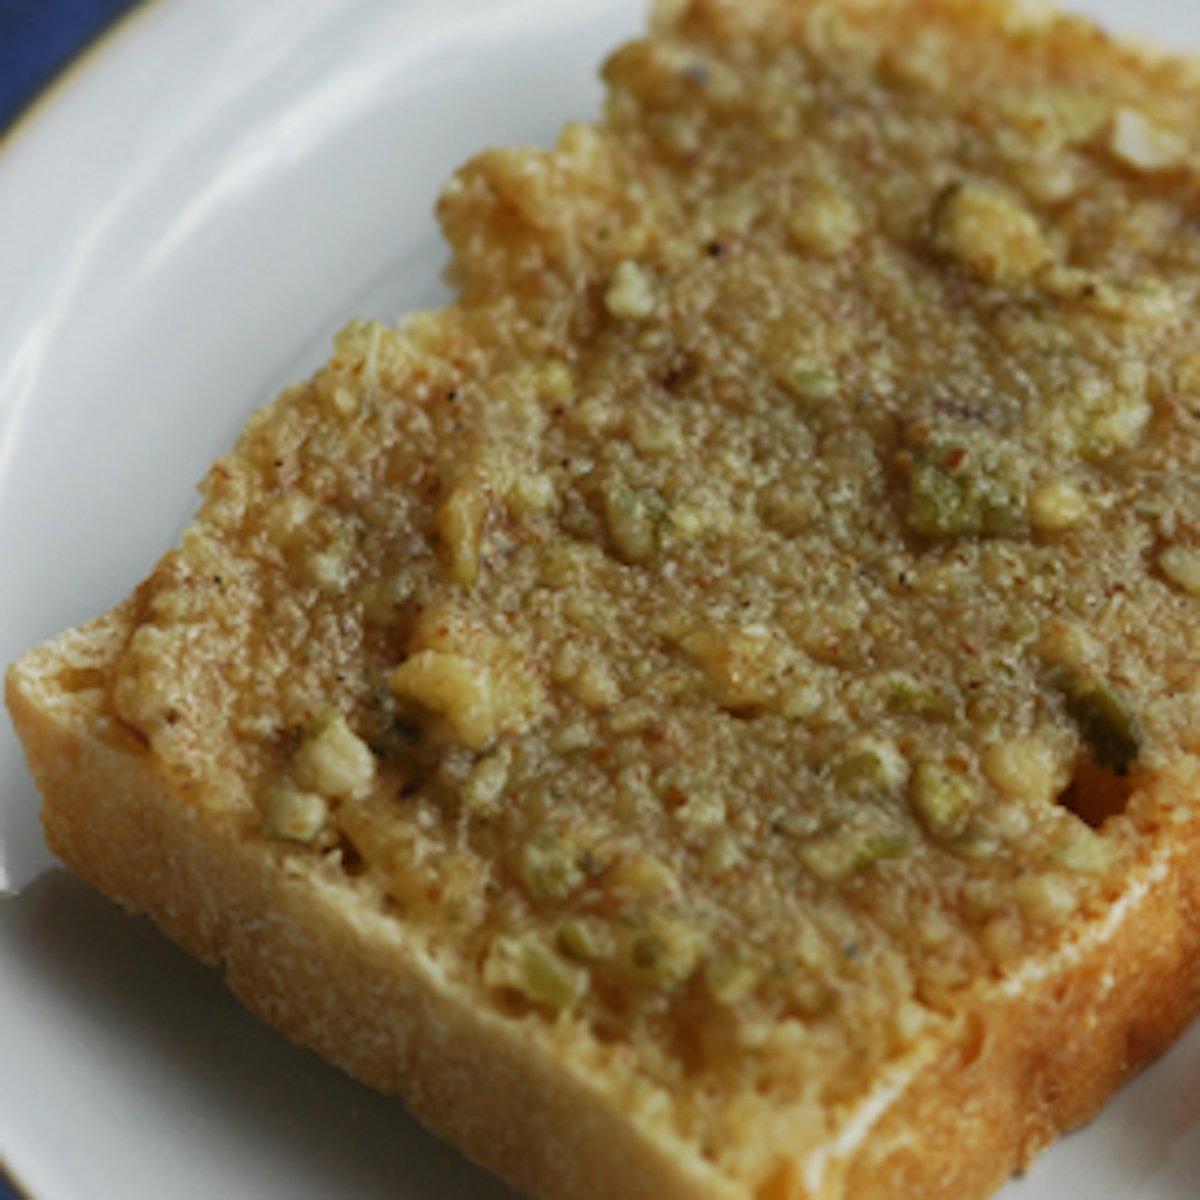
(1141, 144)
(1181, 565)
(632, 294)
(332, 760)
(990, 233)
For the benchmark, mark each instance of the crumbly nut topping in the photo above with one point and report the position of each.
(991, 233)
(631, 295)
(293, 813)
(758, 611)
(333, 761)
(1144, 146)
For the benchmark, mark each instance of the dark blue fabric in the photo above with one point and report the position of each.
(37, 39)
(6, 1192)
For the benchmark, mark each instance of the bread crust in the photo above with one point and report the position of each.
(1028, 1058)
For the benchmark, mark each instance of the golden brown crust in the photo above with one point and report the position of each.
(1032, 1057)
(1043, 1053)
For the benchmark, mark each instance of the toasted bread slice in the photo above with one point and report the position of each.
(713, 712)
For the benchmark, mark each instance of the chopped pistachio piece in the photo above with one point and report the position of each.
(662, 951)
(525, 964)
(836, 856)
(585, 940)
(634, 517)
(730, 979)
(642, 877)
(1104, 719)
(958, 488)
(941, 798)
(550, 867)
(870, 764)
(903, 693)
(810, 379)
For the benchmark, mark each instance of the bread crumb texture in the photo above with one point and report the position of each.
(759, 612)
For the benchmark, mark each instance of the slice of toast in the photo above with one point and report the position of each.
(713, 712)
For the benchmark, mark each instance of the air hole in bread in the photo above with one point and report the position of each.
(352, 862)
(1096, 794)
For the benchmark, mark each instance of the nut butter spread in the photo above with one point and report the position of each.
(751, 614)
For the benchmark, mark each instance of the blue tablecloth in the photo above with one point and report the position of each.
(37, 39)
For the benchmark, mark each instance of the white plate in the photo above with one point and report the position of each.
(182, 228)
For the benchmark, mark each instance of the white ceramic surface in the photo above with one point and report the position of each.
(183, 226)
